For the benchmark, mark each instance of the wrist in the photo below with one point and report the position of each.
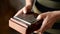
(29, 4)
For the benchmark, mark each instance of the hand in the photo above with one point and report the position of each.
(49, 19)
(25, 9)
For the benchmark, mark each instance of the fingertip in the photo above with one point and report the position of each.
(24, 11)
(35, 32)
(39, 17)
(38, 32)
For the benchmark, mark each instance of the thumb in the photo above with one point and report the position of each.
(38, 32)
(44, 25)
(24, 10)
(41, 16)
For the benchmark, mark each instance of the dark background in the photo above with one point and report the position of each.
(8, 8)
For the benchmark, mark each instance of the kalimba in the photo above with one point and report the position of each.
(25, 23)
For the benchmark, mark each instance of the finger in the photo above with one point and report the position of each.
(51, 22)
(43, 26)
(27, 9)
(24, 10)
(38, 32)
(41, 16)
(19, 12)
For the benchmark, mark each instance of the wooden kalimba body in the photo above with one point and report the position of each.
(25, 23)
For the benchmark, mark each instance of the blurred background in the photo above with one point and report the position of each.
(8, 8)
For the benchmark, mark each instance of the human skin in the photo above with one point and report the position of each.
(49, 18)
(27, 8)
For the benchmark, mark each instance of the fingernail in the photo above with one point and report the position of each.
(24, 12)
(39, 17)
(35, 32)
